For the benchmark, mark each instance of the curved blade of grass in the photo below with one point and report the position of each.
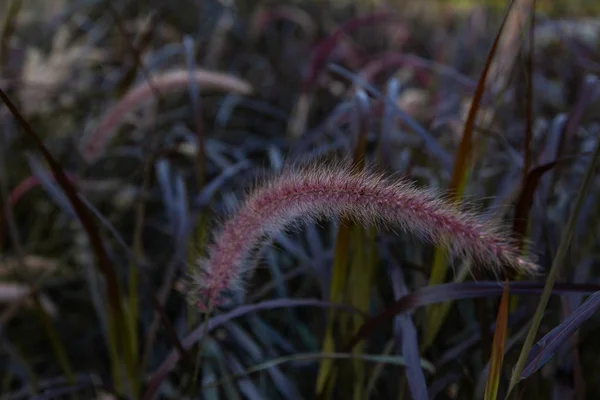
(154, 300)
(49, 185)
(284, 385)
(116, 319)
(375, 358)
(525, 198)
(18, 192)
(395, 60)
(458, 182)
(173, 80)
(197, 334)
(521, 216)
(42, 305)
(529, 93)
(430, 142)
(530, 179)
(323, 50)
(559, 259)
(497, 357)
(458, 291)
(248, 388)
(543, 350)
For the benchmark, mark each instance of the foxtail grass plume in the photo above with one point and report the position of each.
(168, 81)
(303, 194)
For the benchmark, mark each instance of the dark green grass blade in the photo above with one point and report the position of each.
(543, 350)
(558, 261)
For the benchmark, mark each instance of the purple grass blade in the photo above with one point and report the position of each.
(93, 277)
(274, 267)
(284, 385)
(458, 291)
(208, 191)
(243, 340)
(431, 143)
(50, 186)
(272, 337)
(388, 123)
(173, 358)
(543, 350)
(174, 194)
(245, 386)
(407, 341)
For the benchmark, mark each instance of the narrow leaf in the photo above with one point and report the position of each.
(543, 350)
(559, 259)
(457, 291)
(458, 180)
(497, 358)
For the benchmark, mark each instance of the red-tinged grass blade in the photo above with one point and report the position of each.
(14, 293)
(586, 95)
(394, 60)
(44, 180)
(529, 181)
(497, 357)
(116, 319)
(559, 259)
(18, 192)
(154, 299)
(458, 181)
(197, 334)
(529, 96)
(457, 291)
(318, 62)
(134, 64)
(525, 200)
(324, 49)
(169, 81)
(521, 216)
(543, 350)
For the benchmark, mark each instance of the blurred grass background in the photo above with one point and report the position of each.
(161, 114)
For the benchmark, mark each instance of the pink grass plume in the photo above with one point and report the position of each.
(168, 81)
(307, 193)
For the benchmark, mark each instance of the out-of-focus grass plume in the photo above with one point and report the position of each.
(133, 136)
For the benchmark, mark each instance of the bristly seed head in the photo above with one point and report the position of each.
(306, 193)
